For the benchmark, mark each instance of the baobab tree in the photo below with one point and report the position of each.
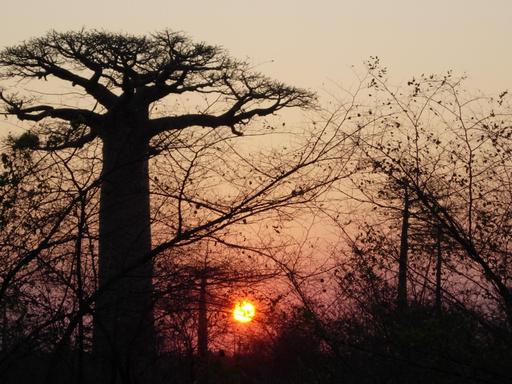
(121, 78)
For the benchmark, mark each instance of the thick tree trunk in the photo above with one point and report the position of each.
(124, 337)
(403, 258)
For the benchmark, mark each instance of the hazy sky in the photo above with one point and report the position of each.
(305, 43)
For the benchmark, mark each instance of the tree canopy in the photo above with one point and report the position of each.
(120, 71)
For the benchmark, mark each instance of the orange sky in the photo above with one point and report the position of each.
(306, 43)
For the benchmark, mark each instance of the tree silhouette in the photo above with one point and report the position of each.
(121, 78)
(453, 150)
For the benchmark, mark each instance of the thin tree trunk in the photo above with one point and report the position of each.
(450, 226)
(403, 258)
(80, 291)
(439, 265)
(123, 325)
(3, 349)
(202, 331)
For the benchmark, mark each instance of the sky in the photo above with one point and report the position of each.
(310, 44)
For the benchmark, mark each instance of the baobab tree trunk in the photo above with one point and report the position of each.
(403, 258)
(124, 337)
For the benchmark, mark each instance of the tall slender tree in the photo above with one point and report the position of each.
(404, 250)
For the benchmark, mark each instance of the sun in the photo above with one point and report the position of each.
(244, 311)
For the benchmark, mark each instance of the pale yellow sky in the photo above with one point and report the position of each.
(306, 43)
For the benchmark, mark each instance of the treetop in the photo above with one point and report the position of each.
(127, 72)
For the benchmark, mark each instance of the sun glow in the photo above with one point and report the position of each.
(244, 311)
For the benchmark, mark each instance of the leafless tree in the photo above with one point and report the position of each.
(130, 112)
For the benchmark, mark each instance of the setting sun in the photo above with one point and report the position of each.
(244, 311)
